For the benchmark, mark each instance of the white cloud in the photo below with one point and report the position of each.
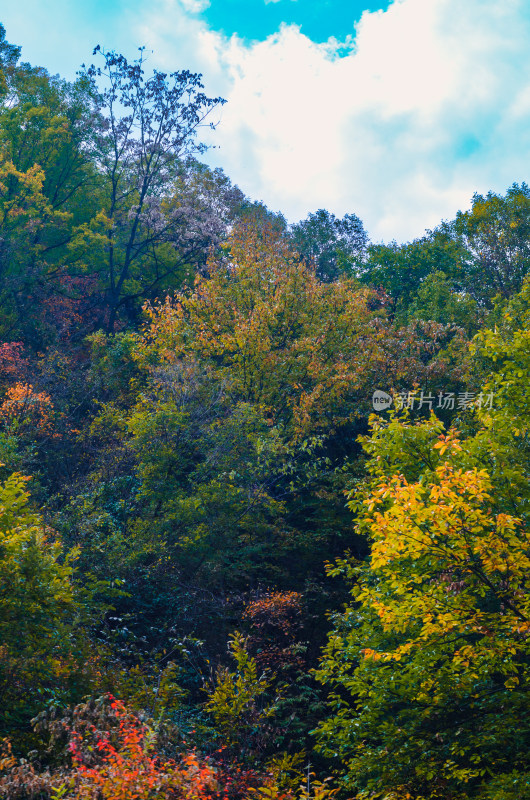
(431, 104)
(195, 6)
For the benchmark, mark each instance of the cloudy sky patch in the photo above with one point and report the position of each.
(397, 111)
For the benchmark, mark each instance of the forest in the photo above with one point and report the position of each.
(264, 492)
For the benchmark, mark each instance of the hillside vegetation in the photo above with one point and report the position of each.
(222, 575)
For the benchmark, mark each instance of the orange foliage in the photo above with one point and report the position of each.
(275, 619)
(11, 361)
(126, 767)
(23, 406)
(72, 307)
(274, 608)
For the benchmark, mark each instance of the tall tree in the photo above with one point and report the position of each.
(430, 660)
(148, 125)
(276, 335)
(400, 269)
(9, 55)
(45, 125)
(333, 246)
(433, 649)
(495, 240)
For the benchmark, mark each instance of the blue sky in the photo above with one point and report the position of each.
(397, 111)
(318, 19)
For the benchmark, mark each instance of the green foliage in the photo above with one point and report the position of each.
(45, 173)
(401, 269)
(501, 442)
(495, 235)
(438, 300)
(114, 372)
(333, 247)
(205, 477)
(238, 702)
(40, 611)
(429, 661)
(198, 466)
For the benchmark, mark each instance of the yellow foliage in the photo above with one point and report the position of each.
(275, 336)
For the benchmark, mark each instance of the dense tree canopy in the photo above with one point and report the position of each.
(434, 650)
(231, 580)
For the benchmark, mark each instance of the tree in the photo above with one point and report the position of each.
(256, 214)
(401, 269)
(25, 213)
(500, 368)
(255, 383)
(41, 653)
(333, 246)
(437, 300)
(44, 131)
(47, 122)
(147, 127)
(432, 655)
(239, 702)
(9, 55)
(429, 661)
(495, 240)
(274, 335)
(240, 377)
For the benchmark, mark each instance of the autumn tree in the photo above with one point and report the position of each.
(225, 447)
(251, 371)
(210, 439)
(273, 333)
(435, 642)
(429, 661)
(127, 211)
